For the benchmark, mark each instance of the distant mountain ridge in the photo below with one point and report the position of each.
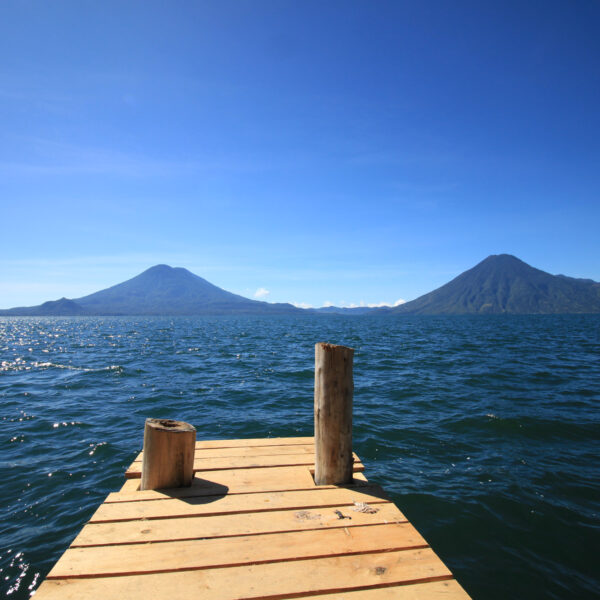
(499, 284)
(503, 283)
(160, 290)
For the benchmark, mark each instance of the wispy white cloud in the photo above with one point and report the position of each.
(261, 293)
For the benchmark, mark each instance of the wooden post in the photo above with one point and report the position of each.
(334, 388)
(168, 458)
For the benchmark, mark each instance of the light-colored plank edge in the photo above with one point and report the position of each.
(245, 462)
(133, 485)
(239, 503)
(241, 460)
(233, 525)
(251, 442)
(233, 552)
(219, 490)
(274, 483)
(268, 581)
(208, 453)
(445, 589)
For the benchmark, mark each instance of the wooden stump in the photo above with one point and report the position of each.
(334, 388)
(168, 458)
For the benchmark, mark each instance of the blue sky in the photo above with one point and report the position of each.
(342, 152)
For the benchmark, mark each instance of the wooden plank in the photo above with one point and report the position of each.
(301, 449)
(227, 552)
(244, 480)
(237, 524)
(218, 505)
(228, 481)
(293, 441)
(249, 531)
(231, 481)
(270, 580)
(434, 590)
(246, 462)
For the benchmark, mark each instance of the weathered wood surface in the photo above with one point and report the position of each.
(233, 551)
(255, 451)
(235, 503)
(247, 533)
(236, 480)
(231, 525)
(334, 388)
(272, 459)
(168, 454)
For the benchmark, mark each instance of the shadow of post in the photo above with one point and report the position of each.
(202, 491)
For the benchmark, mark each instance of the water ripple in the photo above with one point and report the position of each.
(485, 431)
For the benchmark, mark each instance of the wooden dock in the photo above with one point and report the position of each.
(252, 525)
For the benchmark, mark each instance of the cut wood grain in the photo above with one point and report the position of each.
(270, 580)
(227, 552)
(230, 525)
(231, 481)
(210, 453)
(246, 462)
(434, 590)
(216, 505)
(242, 481)
(248, 443)
(228, 480)
(293, 441)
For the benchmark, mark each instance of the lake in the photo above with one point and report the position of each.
(484, 430)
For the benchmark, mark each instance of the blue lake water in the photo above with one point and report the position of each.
(484, 430)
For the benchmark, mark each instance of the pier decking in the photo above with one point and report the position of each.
(253, 525)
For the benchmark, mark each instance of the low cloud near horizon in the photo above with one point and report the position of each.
(261, 293)
(373, 305)
(352, 305)
(302, 305)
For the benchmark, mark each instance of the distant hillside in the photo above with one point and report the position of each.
(500, 284)
(52, 308)
(504, 284)
(160, 290)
